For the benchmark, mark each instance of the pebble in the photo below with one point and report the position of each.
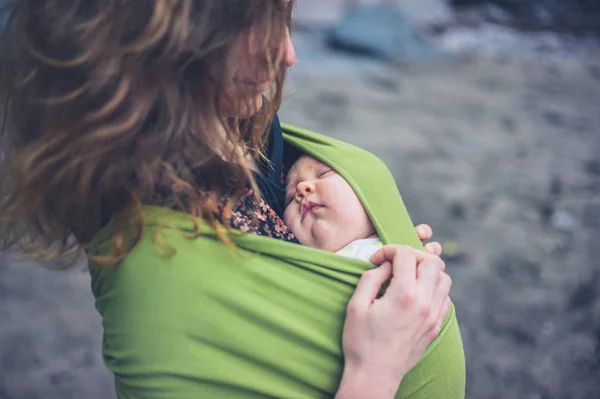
(451, 248)
(563, 220)
(47, 333)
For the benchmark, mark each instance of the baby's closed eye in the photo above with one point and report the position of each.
(326, 173)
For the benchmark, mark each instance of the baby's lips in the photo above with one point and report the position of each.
(308, 207)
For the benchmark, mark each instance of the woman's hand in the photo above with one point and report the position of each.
(425, 232)
(385, 337)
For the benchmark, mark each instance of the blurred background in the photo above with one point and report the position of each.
(487, 113)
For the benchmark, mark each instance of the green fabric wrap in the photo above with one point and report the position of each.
(200, 320)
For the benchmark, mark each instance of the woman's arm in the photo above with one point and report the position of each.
(385, 337)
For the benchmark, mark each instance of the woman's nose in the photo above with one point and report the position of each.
(304, 189)
(290, 51)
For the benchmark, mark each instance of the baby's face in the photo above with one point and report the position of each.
(322, 209)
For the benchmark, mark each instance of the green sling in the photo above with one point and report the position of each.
(197, 319)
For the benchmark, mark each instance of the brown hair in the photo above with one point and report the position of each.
(109, 105)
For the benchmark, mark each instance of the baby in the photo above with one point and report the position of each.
(323, 212)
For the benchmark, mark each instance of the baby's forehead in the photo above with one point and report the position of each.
(305, 163)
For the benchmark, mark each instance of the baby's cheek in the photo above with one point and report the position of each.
(287, 217)
(354, 221)
(291, 219)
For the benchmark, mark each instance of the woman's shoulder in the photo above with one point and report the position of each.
(159, 233)
(171, 252)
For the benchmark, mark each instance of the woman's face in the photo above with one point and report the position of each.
(252, 76)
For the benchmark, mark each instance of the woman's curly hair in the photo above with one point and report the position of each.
(108, 105)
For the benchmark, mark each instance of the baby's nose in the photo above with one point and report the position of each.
(304, 188)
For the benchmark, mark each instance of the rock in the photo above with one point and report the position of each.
(4, 13)
(504, 326)
(17, 356)
(457, 210)
(384, 84)
(508, 124)
(60, 377)
(521, 152)
(596, 334)
(546, 210)
(556, 187)
(516, 269)
(578, 16)
(333, 99)
(47, 333)
(586, 294)
(595, 71)
(592, 167)
(554, 118)
(453, 253)
(311, 13)
(591, 212)
(427, 12)
(495, 14)
(381, 31)
(563, 220)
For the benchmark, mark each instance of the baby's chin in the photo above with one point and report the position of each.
(327, 239)
(318, 236)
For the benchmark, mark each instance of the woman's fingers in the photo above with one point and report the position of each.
(435, 331)
(429, 273)
(391, 251)
(444, 311)
(440, 302)
(434, 248)
(424, 231)
(369, 286)
(404, 262)
(441, 292)
(404, 270)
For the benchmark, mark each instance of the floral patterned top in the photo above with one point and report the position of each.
(256, 218)
(264, 217)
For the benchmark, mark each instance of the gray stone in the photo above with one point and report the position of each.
(426, 12)
(571, 15)
(382, 31)
(4, 13)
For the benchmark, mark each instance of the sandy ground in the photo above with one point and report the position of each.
(50, 335)
(499, 154)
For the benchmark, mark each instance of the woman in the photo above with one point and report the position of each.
(139, 127)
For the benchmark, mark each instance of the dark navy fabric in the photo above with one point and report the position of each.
(270, 181)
